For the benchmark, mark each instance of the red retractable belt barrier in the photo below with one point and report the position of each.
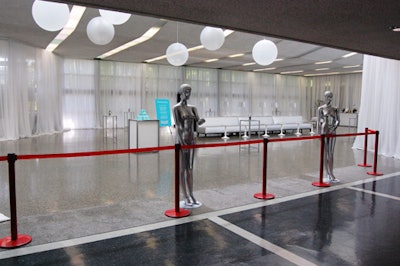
(16, 240)
(374, 172)
(177, 212)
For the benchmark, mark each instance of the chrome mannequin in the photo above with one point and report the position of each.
(186, 122)
(328, 121)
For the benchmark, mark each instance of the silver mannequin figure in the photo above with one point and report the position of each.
(328, 121)
(186, 122)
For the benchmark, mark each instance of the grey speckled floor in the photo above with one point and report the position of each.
(60, 199)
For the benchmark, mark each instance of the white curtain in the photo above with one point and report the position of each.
(120, 90)
(48, 90)
(291, 95)
(346, 91)
(204, 84)
(79, 100)
(262, 94)
(233, 93)
(30, 91)
(380, 107)
(42, 93)
(161, 82)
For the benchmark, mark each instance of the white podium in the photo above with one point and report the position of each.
(143, 133)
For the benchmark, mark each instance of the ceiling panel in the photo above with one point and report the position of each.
(290, 49)
(16, 23)
(325, 54)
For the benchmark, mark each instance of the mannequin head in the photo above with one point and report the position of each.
(184, 92)
(328, 97)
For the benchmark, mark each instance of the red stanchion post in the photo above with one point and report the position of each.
(264, 194)
(321, 183)
(375, 156)
(177, 212)
(15, 240)
(365, 150)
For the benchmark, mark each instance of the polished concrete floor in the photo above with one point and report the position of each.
(109, 209)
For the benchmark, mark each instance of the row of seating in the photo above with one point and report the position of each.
(256, 124)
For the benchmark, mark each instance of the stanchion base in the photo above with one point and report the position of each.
(177, 214)
(364, 165)
(374, 173)
(320, 184)
(21, 240)
(266, 196)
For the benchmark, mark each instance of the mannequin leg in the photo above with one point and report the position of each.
(183, 176)
(190, 176)
(330, 158)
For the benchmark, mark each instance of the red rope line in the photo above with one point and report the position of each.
(152, 149)
(349, 135)
(213, 145)
(294, 138)
(92, 153)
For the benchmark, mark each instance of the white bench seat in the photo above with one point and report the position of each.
(273, 124)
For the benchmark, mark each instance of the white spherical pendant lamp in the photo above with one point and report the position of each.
(265, 52)
(100, 31)
(212, 38)
(50, 16)
(177, 54)
(115, 17)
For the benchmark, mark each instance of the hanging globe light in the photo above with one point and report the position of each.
(114, 17)
(265, 52)
(212, 38)
(177, 54)
(100, 31)
(50, 16)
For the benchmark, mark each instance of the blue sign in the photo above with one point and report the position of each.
(163, 111)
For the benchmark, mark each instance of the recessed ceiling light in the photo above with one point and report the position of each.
(264, 69)
(349, 54)
(69, 28)
(321, 69)
(145, 37)
(292, 72)
(351, 66)
(395, 28)
(322, 74)
(236, 55)
(226, 33)
(324, 62)
(249, 64)
(211, 60)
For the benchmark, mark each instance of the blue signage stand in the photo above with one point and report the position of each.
(163, 111)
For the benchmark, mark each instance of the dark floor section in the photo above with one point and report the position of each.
(387, 186)
(342, 227)
(195, 243)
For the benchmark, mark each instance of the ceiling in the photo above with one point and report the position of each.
(305, 32)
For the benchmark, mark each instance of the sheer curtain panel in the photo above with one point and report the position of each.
(30, 91)
(380, 106)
